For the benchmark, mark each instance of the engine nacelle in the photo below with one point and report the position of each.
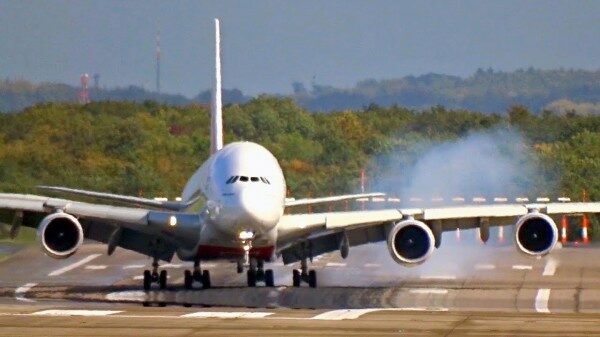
(410, 242)
(60, 235)
(536, 234)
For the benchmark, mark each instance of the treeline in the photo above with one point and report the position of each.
(485, 91)
(152, 149)
(488, 91)
(19, 94)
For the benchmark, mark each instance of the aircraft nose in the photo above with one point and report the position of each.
(259, 208)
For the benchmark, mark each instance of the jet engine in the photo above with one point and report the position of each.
(536, 234)
(60, 235)
(410, 242)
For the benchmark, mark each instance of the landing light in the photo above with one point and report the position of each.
(246, 235)
(172, 221)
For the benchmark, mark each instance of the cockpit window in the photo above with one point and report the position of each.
(243, 178)
(255, 179)
(230, 180)
(264, 180)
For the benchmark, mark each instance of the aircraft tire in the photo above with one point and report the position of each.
(162, 280)
(296, 278)
(251, 276)
(147, 280)
(269, 278)
(187, 279)
(205, 279)
(312, 279)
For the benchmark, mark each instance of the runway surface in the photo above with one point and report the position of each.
(463, 289)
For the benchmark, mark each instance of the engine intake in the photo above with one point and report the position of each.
(60, 235)
(536, 234)
(410, 242)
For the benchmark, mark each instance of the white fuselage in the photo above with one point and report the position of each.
(245, 193)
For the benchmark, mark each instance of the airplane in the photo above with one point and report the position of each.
(243, 219)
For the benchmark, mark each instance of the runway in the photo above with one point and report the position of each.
(482, 290)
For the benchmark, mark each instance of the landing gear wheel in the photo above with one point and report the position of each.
(187, 279)
(296, 277)
(312, 279)
(240, 267)
(251, 275)
(269, 279)
(205, 279)
(162, 280)
(147, 280)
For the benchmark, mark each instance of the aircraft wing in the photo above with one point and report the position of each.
(142, 230)
(326, 232)
(310, 201)
(131, 200)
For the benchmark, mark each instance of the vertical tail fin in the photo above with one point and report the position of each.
(216, 124)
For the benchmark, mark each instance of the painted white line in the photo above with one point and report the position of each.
(337, 315)
(482, 266)
(172, 265)
(437, 277)
(134, 266)
(541, 300)
(335, 264)
(95, 267)
(132, 295)
(56, 312)
(550, 267)
(74, 265)
(522, 267)
(224, 314)
(372, 265)
(20, 292)
(141, 277)
(436, 291)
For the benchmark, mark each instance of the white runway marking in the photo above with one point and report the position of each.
(57, 312)
(337, 315)
(224, 314)
(20, 292)
(550, 267)
(132, 295)
(541, 300)
(95, 267)
(141, 277)
(134, 266)
(74, 265)
(335, 264)
(372, 265)
(522, 267)
(438, 277)
(481, 266)
(171, 265)
(436, 291)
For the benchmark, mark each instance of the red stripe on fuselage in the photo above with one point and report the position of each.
(218, 252)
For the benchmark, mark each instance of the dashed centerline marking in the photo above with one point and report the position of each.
(134, 266)
(550, 267)
(20, 292)
(74, 265)
(522, 267)
(95, 267)
(438, 277)
(57, 312)
(335, 264)
(372, 265)
(337, 315)
(541, 300)
(482, 266)
(230, 314)
(436, 291)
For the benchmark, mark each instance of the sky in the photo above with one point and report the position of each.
(267, 45)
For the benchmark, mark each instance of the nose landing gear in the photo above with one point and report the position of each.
(257, 273)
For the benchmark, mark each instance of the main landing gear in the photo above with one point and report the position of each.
(257, 273)
(155, 277)
(304, 275)
(197, 275)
